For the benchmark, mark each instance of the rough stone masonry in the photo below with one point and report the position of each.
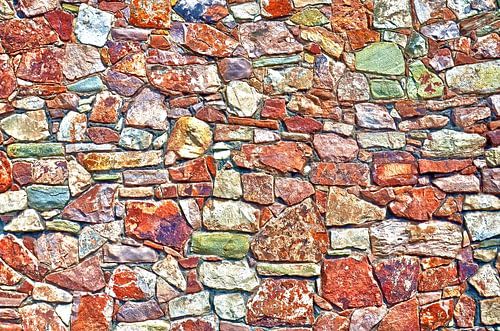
(249, 165)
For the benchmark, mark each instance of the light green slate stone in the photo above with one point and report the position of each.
(481, 77)
(428, 85)
(309, 17)
(453, 144)
(417, 46)
(384, 58)
(288, 269)
(87, 85)
(386, 89)
(45, 197)
(276, 60)
(62, 226)
(223, 244)
(493, 157)
(35, 150)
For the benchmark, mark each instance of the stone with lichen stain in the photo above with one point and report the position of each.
(392, 14)
(334, 148)
(428, 84)
(23, 34)
(206, 323)
(92, 312)
(465, 311)
(298, 234)
(330, 42)
(42, 65)
(435, 279)
(276, 8)
(150, 14)
(28, 126)
(418, 203)
(191, 78)
(346, 208)
(474, 78)
(447, 143)
(85, 276)
(161, 222)
(348, 283)
(398, 277)
(437, 314)
(223, 244)
(384, 58)
(190, 137)
(131, 284)
(81, 60)
(237, 275)
(281, 302)
(207, 40)
(7, 77)
(258, 188)
(343, 174)
(56, 250)
(228, 215)
(490, 311)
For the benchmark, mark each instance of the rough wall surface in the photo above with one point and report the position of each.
(242, 165)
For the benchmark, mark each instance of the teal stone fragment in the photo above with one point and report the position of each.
(35, 150)
(386, 89)
(45, 197)
(384, 58)
(87, 85)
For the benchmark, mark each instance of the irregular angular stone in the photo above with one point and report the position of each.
(92, 312)
(85, 276)
(281, 302)
(227, 215)
(73, 127)
(13, 201)
(50, 293)
(390, 140)
(190, 305)
(122, 84)
(49, 171)
(353, 86)
(161, 222)
(8, 276)
(136, 139)
(236, 276)
(89, 241)
(193, 78)
(438, 278)
(284, 156)
(490, 309)
(129, 254)
(133, 311)
(298, 234)
(227, 184)
(482, 224)
(364, 319)
(334, 148)
(7, 77)
(268, 38)
(243, 99)
(150, 14)
(40, 316)
(44, 197)
(92, 25)
(372, 116)
(12, 299)
(394, 168)
(386, 89)
(223, 244)
(190, 171)
(382, 58)
(436, 314)
(403, 316)
(391, 14)
(27, 221)
(150, 325)
(234, 68)
(330, 42)
(417, 203)
(56, 250)
(32, 8)
(20, 34)
(206, 40)
(427, 84)
(486, 281)
(62, 22)
(341, 238)
(168, 269)
(94, 206)
(343, 174)
(481, 202)
(80, 61)
(433, 238)
(17, 256)
(309, 17)
(190, 137)
(258, 188)
(458, 184)
(118, 160)
(89, 85)
(208, 322)
(230, 306)
(5, 172)
(398, 277)
(465, 311)
(348, 283)
(131, 284)
(345, 208)
(443, 30)
(491, 180)
(148, 110)
(30, 126)
(41, 65)
(474, 78)
(329, 320)
(292, 190)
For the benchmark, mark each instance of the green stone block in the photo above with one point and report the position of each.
(62, 226)
(44, 197)
(384, 58)
(276, 60)
(428, 84)
(309, 17)
(87, 85)
(223, 244)
(386, 89)
(35, 150)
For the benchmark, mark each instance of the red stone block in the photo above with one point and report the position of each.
(61, 22)
(398, 277)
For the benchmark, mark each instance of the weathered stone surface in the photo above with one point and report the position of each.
(398, 277)
(44, 197)
(298, 234)
(92, 311)
(436, 314)
(474, 78)
(344, 174)
(85, 276)
(139, 311)
(147, 14)
(288, 269)
(230, 306)
(243, 99)
(381, 58)
(489, 311)
(417, 203)
(341, 238)
(18, 257)
(227, 215)
(223, 244)
(94, 206)
(390, 140)
(334, 148)
(194, 78)
(206, 40)
(482, 224)
(129, 254)
(50, 293)
(403, 316)
(292, 190)
(189, 305)
(40, 316)
(23, 34)
(258, 188)
(42, 65)
(390, 14)
(458, 184)
(118, 160)
(161, 222)
(281, 302)
(348, 283)
(92, 25)
(267, 38)
(168, 269)
(190, 137)
(131, 284)
(80, 61)
(345, 208)
(56, 250)
(433, 238)
(30, 126)
(426, 84)
(486, 281)
(237, 275)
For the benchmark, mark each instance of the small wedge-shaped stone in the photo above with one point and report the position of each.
(86, 276)
(433, 238)
(168, 269)
(453, 144)
(346, 208)
(50, 293)
(237, 275)
(298, 234)
(17, 256)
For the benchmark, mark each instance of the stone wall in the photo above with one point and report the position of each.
(237, 165)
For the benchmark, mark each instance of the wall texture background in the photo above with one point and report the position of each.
(242, 165)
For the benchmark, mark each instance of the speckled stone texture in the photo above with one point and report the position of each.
(249, 165)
